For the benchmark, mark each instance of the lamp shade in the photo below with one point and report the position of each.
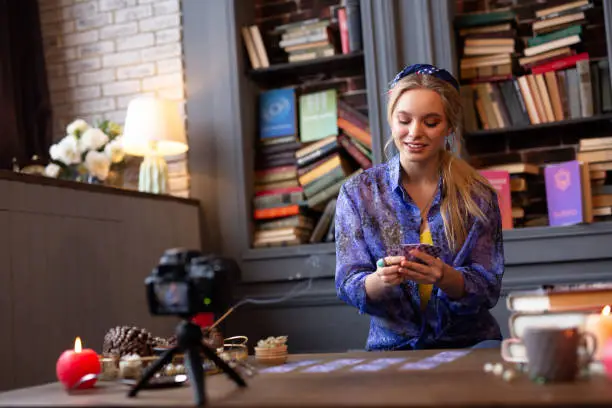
(153, 126)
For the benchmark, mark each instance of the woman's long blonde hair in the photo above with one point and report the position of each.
(461, 182)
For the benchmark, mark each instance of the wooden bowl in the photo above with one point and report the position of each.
(271, 351)
(271, 355)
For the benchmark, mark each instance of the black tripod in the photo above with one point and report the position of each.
(189, 341)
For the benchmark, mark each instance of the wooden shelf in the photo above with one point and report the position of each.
(290, 251)
(578, 123)
(300, 71)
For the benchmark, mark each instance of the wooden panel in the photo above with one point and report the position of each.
(75, 266)
(61, 269)
(33, 314)
(186, 231)
(147, 232)
(6, 306)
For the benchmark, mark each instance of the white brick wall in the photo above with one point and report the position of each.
(102, 53)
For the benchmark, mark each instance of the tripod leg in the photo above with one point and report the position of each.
(208, 352)
(195, 372)
(164, 359)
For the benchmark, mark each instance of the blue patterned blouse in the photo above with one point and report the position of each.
(374, 215)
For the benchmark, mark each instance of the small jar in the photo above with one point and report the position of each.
(109, 369)
(130, 366)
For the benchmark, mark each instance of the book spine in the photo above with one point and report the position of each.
(278, 200)
(585, 89)
(353, 19)
(557, 65)
(276, 212)
(319, 153)
(353, 131)
(323, 182)
(344, 30)
(325, 195)
(355, 153)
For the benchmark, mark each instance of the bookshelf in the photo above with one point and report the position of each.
(602, 122)
(535, 79)
(280, 73)
(306, 74)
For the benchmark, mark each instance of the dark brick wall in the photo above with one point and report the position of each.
(270, 13)
(538, 145)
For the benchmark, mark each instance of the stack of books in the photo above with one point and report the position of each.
(277, 214)
(489, 47)
(562, 76)
(308, 40)
(597, 153)
(488, 44)
(323, 162)
(309, 144)
(526, 191)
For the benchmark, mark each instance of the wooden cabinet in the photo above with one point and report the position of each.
(74, 259)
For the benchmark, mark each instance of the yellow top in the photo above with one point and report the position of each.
(425, 290)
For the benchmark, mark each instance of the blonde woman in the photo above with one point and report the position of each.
(424, 194)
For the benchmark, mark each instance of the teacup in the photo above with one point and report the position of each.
(552, 354)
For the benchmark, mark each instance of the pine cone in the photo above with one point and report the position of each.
(124, 340)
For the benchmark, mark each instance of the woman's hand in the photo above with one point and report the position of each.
(430, 273)
(388, 270)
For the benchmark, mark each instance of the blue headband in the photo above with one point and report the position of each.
(425, 69)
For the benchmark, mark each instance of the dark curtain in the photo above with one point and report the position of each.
(25, 109)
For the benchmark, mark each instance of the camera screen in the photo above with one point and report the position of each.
(172, 297)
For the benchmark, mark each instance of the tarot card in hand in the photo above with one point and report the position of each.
(430, 250)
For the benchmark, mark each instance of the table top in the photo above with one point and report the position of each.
(431, 379)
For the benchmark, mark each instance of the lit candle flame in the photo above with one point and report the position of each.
(77, 345)
(606, 311)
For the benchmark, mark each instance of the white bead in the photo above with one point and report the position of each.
(509, 375)
(498, 369)
(488, 367)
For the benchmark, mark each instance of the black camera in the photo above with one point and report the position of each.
(186, 282)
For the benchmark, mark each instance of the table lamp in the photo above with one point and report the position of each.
(153, 129)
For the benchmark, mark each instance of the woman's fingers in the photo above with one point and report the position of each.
(393, 260)
(428, 259)
(389, 273)
(415, 276)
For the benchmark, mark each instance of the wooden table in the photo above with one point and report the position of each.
(459, 383)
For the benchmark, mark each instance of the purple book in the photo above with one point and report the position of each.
(564, 193)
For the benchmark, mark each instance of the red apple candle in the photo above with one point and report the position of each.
(74, 364)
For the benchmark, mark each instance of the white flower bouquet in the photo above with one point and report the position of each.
(86, 151)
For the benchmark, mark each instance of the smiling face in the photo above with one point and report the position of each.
(419, 125)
